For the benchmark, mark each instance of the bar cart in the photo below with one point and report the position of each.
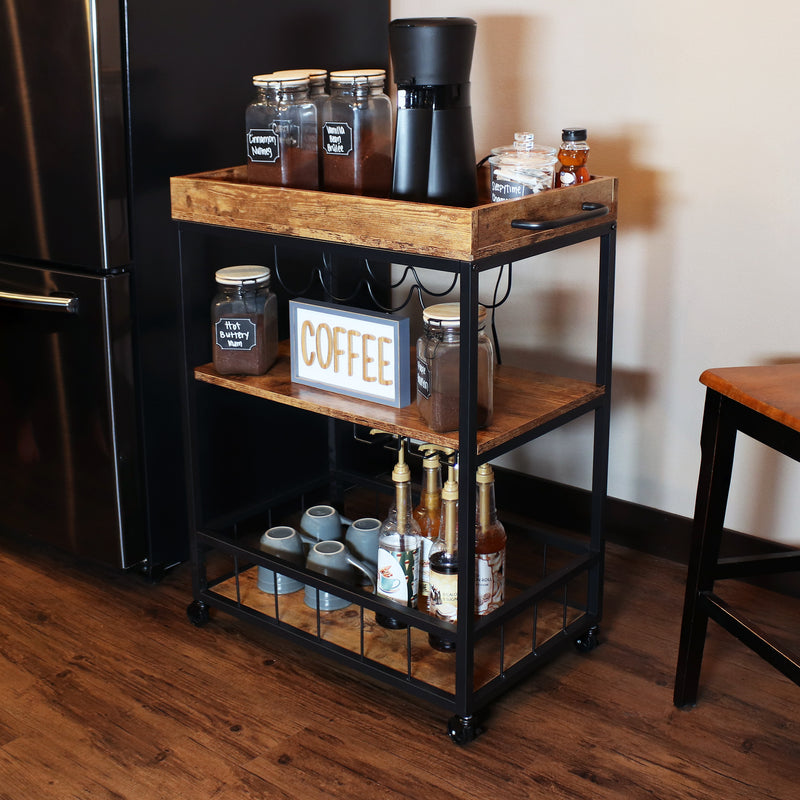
(554, 579)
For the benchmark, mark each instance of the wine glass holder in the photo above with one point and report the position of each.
(555, 578)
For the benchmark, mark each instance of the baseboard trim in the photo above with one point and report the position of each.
(629, 524)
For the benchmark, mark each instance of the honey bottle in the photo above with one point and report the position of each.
(573, 155)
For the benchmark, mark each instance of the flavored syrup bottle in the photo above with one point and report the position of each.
(443, 602)
(428, 513)
(398, 548)
(573, 155)
(490, 547)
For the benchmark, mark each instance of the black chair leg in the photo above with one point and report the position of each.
(717, 442)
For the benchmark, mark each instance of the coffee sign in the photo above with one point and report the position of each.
(351, 351)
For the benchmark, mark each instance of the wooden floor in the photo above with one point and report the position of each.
(107, 691)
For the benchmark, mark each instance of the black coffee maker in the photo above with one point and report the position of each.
(434, 156)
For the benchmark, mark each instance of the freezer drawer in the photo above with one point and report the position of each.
(68, 461)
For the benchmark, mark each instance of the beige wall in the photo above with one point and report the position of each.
(695, 107)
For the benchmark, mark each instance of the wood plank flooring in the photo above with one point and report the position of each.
(107, 691)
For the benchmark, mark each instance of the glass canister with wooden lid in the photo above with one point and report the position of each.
(357, 134)
(281, 126)
(244, 321)
(438, 375)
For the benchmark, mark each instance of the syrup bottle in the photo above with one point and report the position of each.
(398, 548)
(443, 602)
(427, 513)
(490, 547)
(573, 155)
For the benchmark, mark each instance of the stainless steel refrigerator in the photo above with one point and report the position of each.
(100, 102)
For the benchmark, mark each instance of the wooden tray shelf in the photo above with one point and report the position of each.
(523, 401)
(225, 198)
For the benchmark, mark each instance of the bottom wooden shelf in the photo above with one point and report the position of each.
(345, 628)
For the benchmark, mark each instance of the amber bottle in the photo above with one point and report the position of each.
(573, 155)
(490, 547)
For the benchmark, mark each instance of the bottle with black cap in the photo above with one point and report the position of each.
(573, 155)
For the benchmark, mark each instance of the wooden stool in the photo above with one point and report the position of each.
(764, 403)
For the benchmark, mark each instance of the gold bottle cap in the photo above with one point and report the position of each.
(401, 473)
(485, 474)
(450, 488)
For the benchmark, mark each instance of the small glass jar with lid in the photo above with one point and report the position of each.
(244, 321)
(281, 125)
(438, 387)
(357, 134)
(522, 169)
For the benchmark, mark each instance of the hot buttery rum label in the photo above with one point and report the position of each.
(351, 351)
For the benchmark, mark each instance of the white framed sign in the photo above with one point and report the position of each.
(354, 352)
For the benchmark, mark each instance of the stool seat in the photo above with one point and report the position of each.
(773, 391)
(764, 403)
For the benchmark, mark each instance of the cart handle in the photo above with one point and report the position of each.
(589, 210)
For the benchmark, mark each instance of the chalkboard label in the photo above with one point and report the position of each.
(337, 138)
(423, 379)
(263, 145)
(509, 190)
(234, 333)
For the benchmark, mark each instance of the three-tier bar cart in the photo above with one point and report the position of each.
(554, 577)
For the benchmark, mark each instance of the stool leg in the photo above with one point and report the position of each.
(717, 442)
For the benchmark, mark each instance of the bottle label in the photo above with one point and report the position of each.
(337, 138)
(443, 599)
(263, 145)
(490, 581)
(567, 178)
(425, 572)
(233, 333)
(398, 575)
(423, 379)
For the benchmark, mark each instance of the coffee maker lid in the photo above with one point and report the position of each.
(432, 51)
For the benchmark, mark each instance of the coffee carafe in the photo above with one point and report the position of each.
(434, 159)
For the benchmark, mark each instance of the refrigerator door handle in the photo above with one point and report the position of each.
(67, 304)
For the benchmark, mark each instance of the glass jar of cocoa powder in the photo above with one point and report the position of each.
(438, 387)
(357, 134)
(244, 321)
(281, 126)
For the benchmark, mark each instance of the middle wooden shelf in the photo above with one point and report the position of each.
(523, 401)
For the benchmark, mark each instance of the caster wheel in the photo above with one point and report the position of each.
(462, 730)
(198, 613)
(588, 641)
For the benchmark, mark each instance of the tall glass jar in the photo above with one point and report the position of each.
(244, 321)
(438, 389)
(357, 134)
(281, 125)
(318, 95)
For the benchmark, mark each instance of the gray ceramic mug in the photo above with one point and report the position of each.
(322, 523)
(283, 542)
(333, 560)
(362, 540)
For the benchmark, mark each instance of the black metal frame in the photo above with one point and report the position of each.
(465, 702)
(723, 418)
